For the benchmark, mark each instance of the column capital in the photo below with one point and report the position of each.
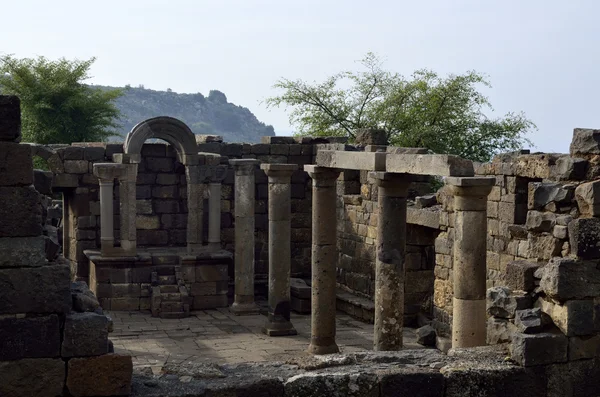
(322, 176)
(279, 173)
(470, 193)
(109, 171)
(130, 174)
(244, 166)
(217, 174)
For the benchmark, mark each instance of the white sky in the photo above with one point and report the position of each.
(542, 56)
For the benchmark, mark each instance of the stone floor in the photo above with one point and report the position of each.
(220, 337)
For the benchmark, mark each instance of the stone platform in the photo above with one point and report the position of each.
(168, 281)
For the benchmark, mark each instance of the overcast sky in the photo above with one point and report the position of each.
(542, 56)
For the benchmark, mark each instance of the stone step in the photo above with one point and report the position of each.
(167, 280)
(171, 297)
(171, 307)
(169, 289)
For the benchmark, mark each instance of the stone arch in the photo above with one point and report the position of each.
(169, 129)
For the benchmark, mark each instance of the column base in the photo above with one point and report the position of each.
(279, 328)
(323, 349)
(194, 247)
(469, 323)
(214, 245)
(242, 309)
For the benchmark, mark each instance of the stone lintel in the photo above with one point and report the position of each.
(423, 217)
(110, 171)
(470, 181)
(367, 161)
(429, 164)
(127, 158)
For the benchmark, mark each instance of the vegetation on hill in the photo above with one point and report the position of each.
(445, 115)
(204, 115)
(56, 105)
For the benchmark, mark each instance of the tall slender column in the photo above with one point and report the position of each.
(127, 211)
(195, 176)
(244, 236)
(324, 259)
(214, 206)
(470, 240)
(278, 320)
(107, 229)
(390, 260)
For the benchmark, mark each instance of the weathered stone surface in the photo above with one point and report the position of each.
(585, 142)
(588, 198)
(332, 384)
(520, 275)
(20, 211)
(35, 290)
(540, 221)
(543, 246)
(40, 377)
(83, 299)
(29, 337)
(42, 181)
(584, 235)
(499, 330)
(501, 303)
(22, 251)
(299, 288)
(543, 193)
(566, 278)
(425, 383)
(374, 161)
(85, 334)
(569, 168)
(429, 164)
(10, 118)
(531, 321)
(368, 136)
(539, 349)
(582, 347)
(426, 335)
(15, 164)
(107, 375)
(423, 217)
(574, 317)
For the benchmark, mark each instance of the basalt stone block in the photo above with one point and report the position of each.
(566, 278)
(299, 288)
(22, 251)
(32, 377)
(539, 349)
(35, 290)
(42, 181)
(543, 193)
(585, 141)
(583, 347)
(426, 335)
(540, 221)
(85, 334)
(31, 337)
(20, 211)
(10, 118)
(16, 167)
(501, 303)
(107, 375)
(422, 382)
(332, 384)
(531, 321)
(83, 299)
(369, 136)
(520, 275)
(543, 246)
(584, 234)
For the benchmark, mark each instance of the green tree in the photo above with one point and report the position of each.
(56, 106)
(445, 115)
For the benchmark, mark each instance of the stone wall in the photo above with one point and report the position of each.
(54, 336)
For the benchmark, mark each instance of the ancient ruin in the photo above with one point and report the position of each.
(230, 245)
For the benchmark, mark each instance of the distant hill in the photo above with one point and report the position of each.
(204, 115)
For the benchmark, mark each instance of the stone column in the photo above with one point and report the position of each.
(470, 243)
(128, 210)
(107, 229)
(244, 236)
(278, 320)
(195, 176)
(390, 260)
(106, 174)
(324, 259)
(217, 175)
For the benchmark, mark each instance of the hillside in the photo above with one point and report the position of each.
(204, 115)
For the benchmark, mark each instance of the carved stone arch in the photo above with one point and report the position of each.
(169, 129)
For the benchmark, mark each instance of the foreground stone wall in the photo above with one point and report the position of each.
(54, 337)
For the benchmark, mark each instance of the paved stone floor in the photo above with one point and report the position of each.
(220, 337)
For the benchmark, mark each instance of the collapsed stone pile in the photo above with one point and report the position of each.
(53, 335)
